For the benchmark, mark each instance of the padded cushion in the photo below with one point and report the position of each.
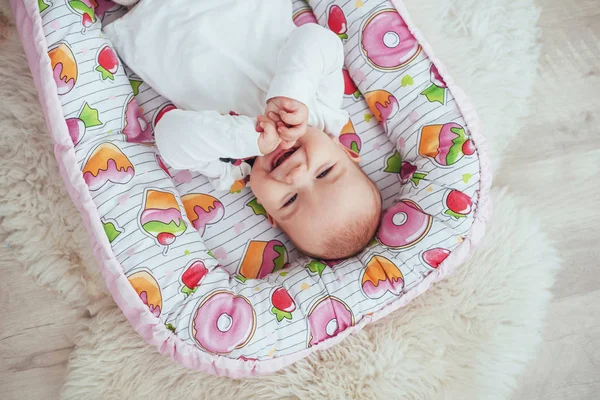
(201, 274)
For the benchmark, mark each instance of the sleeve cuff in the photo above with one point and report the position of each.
(248, 144)
(296, 86)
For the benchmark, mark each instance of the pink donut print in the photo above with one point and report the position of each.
(387, 42)
(403, 225)
(135, 127)
(223, 322)
(106, 7)
(328, 317)
(304, 16)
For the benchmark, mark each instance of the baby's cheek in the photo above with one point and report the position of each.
(260, 188)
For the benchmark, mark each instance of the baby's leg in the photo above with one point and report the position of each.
(192, 139)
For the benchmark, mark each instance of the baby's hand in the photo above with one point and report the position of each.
(290, 116)
(269, 138)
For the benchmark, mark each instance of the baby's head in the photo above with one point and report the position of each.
(318, 195)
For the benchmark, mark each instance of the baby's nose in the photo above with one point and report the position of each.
(296, 174)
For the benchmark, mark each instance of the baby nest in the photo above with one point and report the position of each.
(199, 273)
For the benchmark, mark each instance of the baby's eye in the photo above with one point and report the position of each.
(324, 173)
(291, 200)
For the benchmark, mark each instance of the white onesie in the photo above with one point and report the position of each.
(213, 57)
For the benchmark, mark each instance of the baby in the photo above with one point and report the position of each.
(248, 83)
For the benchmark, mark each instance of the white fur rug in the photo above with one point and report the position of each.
(468, 337)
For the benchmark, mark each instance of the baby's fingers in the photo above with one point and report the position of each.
(258, 127)
(268, 127)
(269, 139)
(274, 116)
(262, 121)
(292, 118)
(291, 133)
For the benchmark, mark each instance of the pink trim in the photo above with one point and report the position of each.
(144, 322)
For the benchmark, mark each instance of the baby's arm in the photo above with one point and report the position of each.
(310, 64)
(195, 140)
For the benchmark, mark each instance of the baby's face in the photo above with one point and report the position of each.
(309, 188)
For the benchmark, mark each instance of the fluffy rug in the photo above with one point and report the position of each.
(468, 337)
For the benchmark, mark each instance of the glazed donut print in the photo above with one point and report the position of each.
(234, 294)
(387, 42)
(328, 316)
(403, 225)
(223, 322)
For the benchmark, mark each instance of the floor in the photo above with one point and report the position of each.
(567, 109)
(561, 138)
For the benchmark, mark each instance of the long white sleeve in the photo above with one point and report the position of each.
(309, 70)
(195, 140)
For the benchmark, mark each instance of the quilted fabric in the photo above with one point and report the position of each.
(200, 273)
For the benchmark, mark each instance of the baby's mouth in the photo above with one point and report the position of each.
(277, 161)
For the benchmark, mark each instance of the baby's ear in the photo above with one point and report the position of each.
(271, 221)
(354, 156)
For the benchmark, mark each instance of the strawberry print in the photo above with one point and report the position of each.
(108, 63)
(43, 5)
(87, 118)
(434, 257)
(192, 277)
(283, 304)
(407, 172)
(468, 147)
(445, 143)
(350, 88)
(112, 229)
(437, 90)
(135, 85)
(337, 21)
(316, 267)
(85, 8)
(459, 204)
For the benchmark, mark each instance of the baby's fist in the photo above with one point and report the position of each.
(291, 117)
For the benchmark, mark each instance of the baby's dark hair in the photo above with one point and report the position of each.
(353, 235)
